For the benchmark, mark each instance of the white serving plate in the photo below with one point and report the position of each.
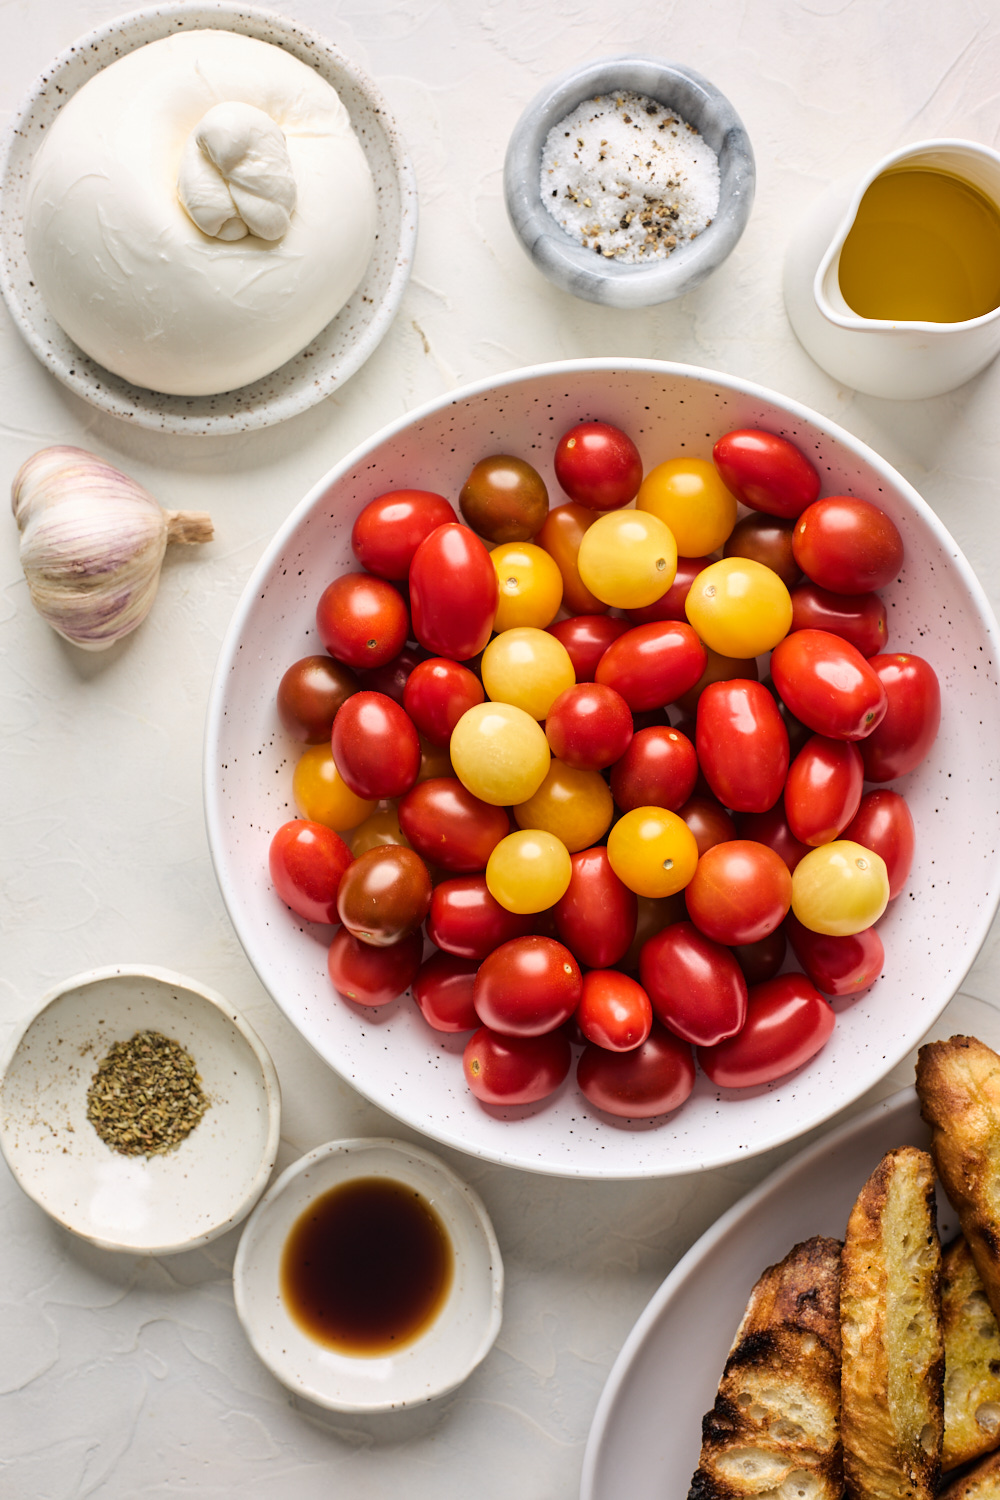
(931, 933)
(343, 345)
(645, 1439)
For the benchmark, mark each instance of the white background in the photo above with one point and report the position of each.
(124, 1378)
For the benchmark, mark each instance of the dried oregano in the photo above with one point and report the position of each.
(146, 1095)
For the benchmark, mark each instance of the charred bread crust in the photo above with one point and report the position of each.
(777, 1412)
(980, 1483)
(971, 1360)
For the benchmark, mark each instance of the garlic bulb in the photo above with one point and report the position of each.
(92, 543)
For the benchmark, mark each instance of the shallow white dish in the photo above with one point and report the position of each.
(646, 1435)
(444, 1355)
(336, 353)
(931, 933)
(162, 1204)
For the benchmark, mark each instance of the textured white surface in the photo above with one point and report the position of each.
(125, 1379)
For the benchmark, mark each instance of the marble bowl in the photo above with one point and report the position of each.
(580, 271)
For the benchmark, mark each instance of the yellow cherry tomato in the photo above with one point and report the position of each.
(739, 607)
(528, 871)
(528, 668)
(839, 888)
(500, 753)
(321, 794)
(652, 851)
(689, 497)
(576, 806)
(379, 829)
(530, 584)
(628, 558)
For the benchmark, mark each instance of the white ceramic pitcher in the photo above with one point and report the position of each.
(899, 360)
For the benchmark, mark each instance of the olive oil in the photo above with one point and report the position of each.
(924, 247)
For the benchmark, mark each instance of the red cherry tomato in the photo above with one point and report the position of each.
(443, 992)
(515, 1069)
(837, 965)
(362, 620)
(373, 976)
(771, 828)
(695, 986)
(589, 726)
(597, 915)
(309, 695)
(614, 1012)
(450, 827)
(438, 692)
(859, 618)
(598, 466)
(393, 677)
(847, 545)
(466, 920)
(884, 824)
(375, 747)
(653, 664)
(659, 769)
(453, 593)
(761, 960)
(742, 745)
(828, 685)
(384, 895)
(788, 1021)
(307, 862)
(823, 790)
(649, 1080)
(902, 739)
(390, 528)
(739, 892)
(527, 987)
(708, 821)
(670, 606)
(586, 638)
(766, 472)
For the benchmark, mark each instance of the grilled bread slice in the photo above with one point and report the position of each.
(981, 1483)
(890, 1320)
(958, 1082)
(775, 1425)
(971, 1360)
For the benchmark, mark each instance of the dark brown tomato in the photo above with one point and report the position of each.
(768, 540)
(708, 821)
(309, 695)
(504, 499)
(450, 827)
(652, 1079)
(384, 895)
(761, 960)
(858, 618)
(596, 917)
(651, 665)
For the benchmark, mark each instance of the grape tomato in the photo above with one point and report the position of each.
(658, 769)
(766, 471)
(742, 745)
(586, 638)
(904, 736)
(453, 593)
(652, 1079)
(596, 915)
(390, 528)
(884, 824)
(437, 693)
(861, 619)
(787, 1023)
(740, 892)
(369, 975)
(670, 606)
(828, 684)
(561, 537)
(651, 665)
(375, 746)
(837, 965)
(466, 920)
(451, 828)
(767, 540)
(823, 789)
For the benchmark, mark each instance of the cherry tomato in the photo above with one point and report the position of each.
(823, 790)
(652, 851)
(321, 793)
(739, 607)
(309, 695)
(695, 986)
(766, 472)
(307, 862)
(375, 746)
(718, 669)
(771, 828)
(768, 540)
(561, 537)
(659, 769)
(596, 915)
(515, 1069)
(466, 920)
(847, 545)
(362, 620)
(390, 528)
(627, 558)
(437, 694)
(450, 827)
(742, 745)
(761, 960)
(740, 892)
(884, 824)
(528, 870)
(788, 1021)
(504, 499)
(840, 888)
(391, 679)
(574, 806)
(589, 726)
(828, 684)
(527, 987)
(708, 821)
(651, 665)
(381, 828)
(586, 638)
(384, 895)
(369, 975)
(598, 466)
(670, 606)
(902, 739)
(837, 965)
(500, 753)
(689, 497)
(651, 1079)
(443, 992)
(614, 1012)
(530, 584)
(453, 593)
(858, 618)
(528, 668)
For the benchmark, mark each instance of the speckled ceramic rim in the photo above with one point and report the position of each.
(581, 271)
(477, 1217)
(336, 353)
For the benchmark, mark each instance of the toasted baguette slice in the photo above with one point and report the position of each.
(775, 1425)
(981, 1483)
(890, 1321)
(971, 1360)
(958, 1082)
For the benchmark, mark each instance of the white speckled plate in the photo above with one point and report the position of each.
(334, 355)
(932, 932)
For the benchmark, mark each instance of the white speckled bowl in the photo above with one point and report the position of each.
(149, 1206)
(931, 933)
(334, 355)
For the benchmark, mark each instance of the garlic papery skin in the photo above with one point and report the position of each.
(236, 175)
(92, 543)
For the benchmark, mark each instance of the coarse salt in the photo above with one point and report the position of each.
(627, 178)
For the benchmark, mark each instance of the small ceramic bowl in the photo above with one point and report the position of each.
(155, 1205)
(614, 283)
(440, 1358)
